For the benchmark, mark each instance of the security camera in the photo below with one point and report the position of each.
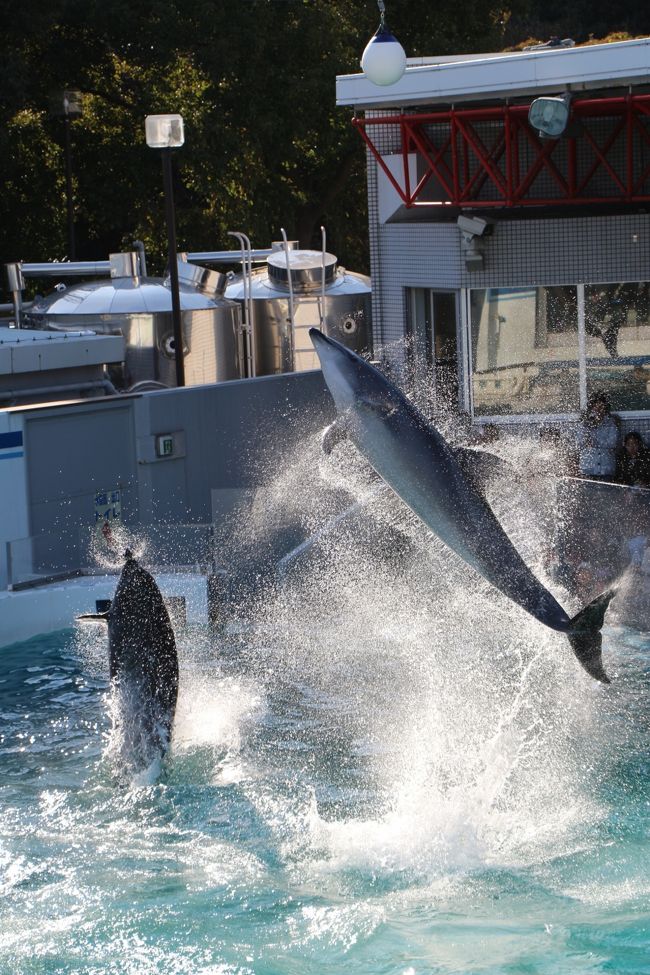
(472, 226)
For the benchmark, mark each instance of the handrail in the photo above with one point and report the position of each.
(321, 303)
(291, 310)
(248, 324)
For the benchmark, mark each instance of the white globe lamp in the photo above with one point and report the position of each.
(383, 62)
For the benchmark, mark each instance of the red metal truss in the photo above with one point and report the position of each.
(491, 157)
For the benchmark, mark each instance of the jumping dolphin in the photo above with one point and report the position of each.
(143, 664)
(440, 483)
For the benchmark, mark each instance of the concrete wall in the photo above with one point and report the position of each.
(14, 512)
(228, 439)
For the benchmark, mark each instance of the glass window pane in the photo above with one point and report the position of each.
(419, 326)
(525, 350)
(617, 340)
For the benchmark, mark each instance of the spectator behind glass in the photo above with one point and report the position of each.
(597, 440)
(633, 465)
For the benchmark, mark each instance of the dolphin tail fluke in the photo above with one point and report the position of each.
(585, 636)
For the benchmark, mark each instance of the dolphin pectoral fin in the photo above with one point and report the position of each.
(479, 466)
(334, 434)
(93, 618)
(585, 637)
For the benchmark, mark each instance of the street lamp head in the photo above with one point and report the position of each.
(383, 61)
(164, 131)
(66, 104)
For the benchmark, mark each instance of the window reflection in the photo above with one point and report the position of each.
(525, 350)
(617, 342)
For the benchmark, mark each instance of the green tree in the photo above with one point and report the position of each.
(266, 146)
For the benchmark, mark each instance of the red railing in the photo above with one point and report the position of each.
(491, 157)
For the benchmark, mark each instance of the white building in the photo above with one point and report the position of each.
(545, 298)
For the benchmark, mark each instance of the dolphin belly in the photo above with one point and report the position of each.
(425, 474)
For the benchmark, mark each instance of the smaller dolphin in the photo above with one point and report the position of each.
(143, 665)
(440, 484)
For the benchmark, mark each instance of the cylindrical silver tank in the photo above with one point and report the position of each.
(140, 309)
(322, 295)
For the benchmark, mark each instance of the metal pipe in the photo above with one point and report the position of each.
(9, 306)
(139, 246)
(173, 266)
(291, 313)
(251, 310)
(66, 269)
(104, 384)
(323, 237)
(246, 319)
(228, 257)
(15, 284)
(249, 313)
(17, 308)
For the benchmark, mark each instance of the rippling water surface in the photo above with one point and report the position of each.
(320, 815)
(386, 769)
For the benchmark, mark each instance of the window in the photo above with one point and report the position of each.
(525, 350)
(544, 350)
(617, 343)
(432, 343)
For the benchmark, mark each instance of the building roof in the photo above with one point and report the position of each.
(478, 77)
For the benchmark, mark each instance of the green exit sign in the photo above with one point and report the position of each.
(165, 445)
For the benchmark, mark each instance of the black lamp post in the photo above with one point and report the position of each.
(165, 132)
(68, 105)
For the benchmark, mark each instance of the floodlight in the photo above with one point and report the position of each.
(550, 116)
(164, 131)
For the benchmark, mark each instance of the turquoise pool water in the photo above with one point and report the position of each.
(373, 793)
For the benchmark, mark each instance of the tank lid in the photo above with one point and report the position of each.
(118, 296)
(211, 283)
(305, 267)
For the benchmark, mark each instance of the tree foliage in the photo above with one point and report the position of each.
(266, 146)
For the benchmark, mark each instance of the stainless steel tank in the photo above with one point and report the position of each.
(311, 290)
(140, 310)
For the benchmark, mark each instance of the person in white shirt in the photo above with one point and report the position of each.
(597, 440)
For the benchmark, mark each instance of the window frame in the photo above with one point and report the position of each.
(465, 355)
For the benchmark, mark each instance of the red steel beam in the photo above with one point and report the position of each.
(464, 165)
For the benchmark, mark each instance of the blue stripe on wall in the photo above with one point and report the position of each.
(11, 439)
(15, 453)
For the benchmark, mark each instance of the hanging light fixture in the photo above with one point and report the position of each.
(383, 60)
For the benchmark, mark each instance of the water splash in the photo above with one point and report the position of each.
(483, 737)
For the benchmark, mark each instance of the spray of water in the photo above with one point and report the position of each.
(478, 737)
(481, 734)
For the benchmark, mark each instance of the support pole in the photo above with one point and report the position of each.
(69, 199)
(173, 266)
